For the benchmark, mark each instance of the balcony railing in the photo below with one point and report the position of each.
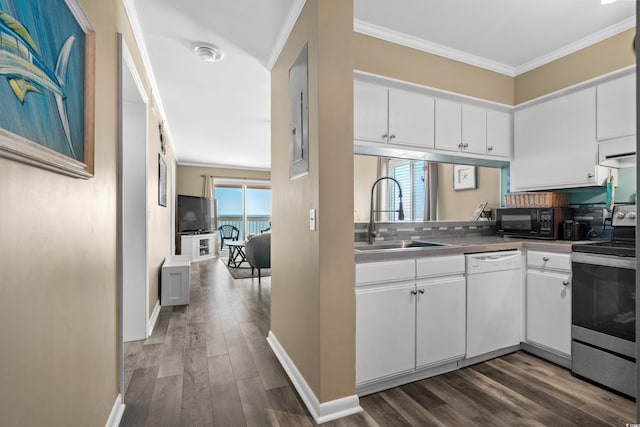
(255, 223)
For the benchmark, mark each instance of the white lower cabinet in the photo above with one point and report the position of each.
(440, 321)
(385, 331)
(548, 319)
(408, 323)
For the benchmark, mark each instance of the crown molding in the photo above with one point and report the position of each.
(576, 46)
(477, 61)
(285, 31)
(222, 166)
(429, 47)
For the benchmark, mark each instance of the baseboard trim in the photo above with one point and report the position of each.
(153, 319)
(321, 412)
(117, 411)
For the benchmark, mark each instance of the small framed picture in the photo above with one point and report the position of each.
(464, 177)
(162, 181)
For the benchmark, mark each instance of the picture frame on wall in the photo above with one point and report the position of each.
(162, 181)
(299, 116)
(47, 85)
(464, 177)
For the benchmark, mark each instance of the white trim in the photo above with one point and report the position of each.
(285, 31)
(221, 166)
(430, 47)
(581, 85)
(321, 412)
(457, 55)
(576, 46)
(134, 22)
(115, 416)
(153, 319)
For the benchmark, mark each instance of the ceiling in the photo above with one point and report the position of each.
(218, 113)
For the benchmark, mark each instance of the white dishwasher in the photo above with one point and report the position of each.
(494, 301)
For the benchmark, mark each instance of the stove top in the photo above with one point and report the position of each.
(623, 248)
(624, 235)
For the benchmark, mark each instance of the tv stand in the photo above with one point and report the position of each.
(199, 246)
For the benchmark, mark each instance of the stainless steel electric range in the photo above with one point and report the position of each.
(603, 330)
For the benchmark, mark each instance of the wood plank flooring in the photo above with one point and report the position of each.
(208, 364)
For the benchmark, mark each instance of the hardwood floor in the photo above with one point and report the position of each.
(208, 364)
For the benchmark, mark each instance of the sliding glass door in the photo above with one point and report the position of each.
(244, 204)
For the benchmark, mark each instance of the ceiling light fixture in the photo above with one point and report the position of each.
(207, 52)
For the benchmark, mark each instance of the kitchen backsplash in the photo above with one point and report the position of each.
(593, 215)
(423, 230)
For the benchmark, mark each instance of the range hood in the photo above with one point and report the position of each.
(618, 153)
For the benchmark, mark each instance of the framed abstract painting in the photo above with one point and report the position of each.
(47, 85)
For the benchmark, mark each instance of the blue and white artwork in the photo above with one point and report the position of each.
(42, 57)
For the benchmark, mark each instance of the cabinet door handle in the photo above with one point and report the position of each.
(545, 259)
(489, 148)
(589, 175)
(414, 292)
(421, 291)
(565, 282)
(384, 136)
(392, 136)
(461, 146)
(465, 146)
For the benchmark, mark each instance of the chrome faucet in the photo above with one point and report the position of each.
(372, 229)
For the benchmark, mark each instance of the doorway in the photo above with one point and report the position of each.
(132, 211)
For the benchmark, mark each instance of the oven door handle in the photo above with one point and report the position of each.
(604, 260)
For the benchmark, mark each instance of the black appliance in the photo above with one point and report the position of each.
(603, 320)
(574, 229)
(537, 223)
(196, 214)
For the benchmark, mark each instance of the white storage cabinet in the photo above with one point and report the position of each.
(460, 127)
(548, 301)
(391, 115)
(175, 282)
(555, 144)
(440, 310)
(199, 246)
(385, 319)
(616, 108)
(410, 315)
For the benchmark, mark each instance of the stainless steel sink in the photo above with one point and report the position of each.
(403, 244)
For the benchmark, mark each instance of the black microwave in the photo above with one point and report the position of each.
(537, 223)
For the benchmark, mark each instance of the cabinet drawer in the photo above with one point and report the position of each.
(440, 266)
(549, 260)
(386, 271)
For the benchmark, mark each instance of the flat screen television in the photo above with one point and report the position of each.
(195, 214)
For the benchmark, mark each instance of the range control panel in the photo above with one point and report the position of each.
(624, 216)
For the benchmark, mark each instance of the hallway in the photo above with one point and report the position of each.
(209, 364)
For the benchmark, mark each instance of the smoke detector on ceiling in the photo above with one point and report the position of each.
(207, 52)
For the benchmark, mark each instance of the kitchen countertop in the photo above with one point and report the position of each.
(460, 245)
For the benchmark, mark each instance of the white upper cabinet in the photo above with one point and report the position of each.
(394, 114)
(555, 144)
(448, 125)
(474, 129)
(370, 112)
(410, 118)
(499, 133)
(616, 108)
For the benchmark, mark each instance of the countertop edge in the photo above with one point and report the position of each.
(468, 247)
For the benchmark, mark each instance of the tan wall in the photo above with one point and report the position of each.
(404, 63)
(190, 180)
(459, 205)
(312, 302)
(59, 305)
(601, 58)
